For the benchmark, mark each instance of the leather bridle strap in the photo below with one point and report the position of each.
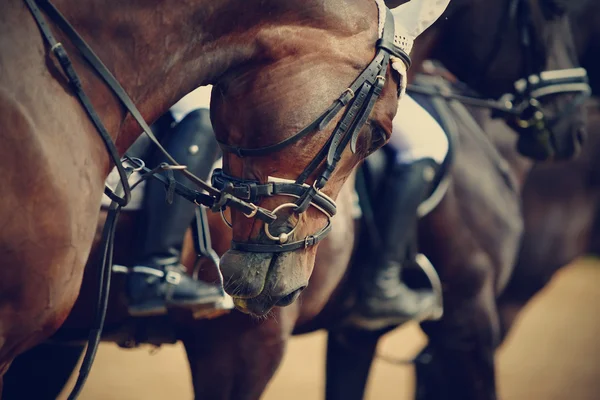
(117, 202)
(384, 45)
(213, 199)
(111, 81)
(308, 241)
(490, 104)
(61, 55)
(533, 87)
(254, 191)
(360, 98)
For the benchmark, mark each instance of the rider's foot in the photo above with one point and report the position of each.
(383, 299)
(388, 301)
(151, 290)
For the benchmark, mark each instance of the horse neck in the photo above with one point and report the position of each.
(463, 40)
(161, 50)
(504, 139)
(158, 51)
(586, 27)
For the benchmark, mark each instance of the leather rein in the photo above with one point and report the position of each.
(229, 191)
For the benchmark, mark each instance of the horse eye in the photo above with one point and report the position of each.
(378, 138)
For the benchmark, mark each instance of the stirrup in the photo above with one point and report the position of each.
(436, 284)
(208, 311)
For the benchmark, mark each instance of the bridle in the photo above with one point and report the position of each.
(360, 97)
(523, 109)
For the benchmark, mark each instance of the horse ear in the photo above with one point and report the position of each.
(415, 16)
(410, 20)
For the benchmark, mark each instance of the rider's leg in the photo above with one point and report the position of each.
(420, 145)
(158, 279)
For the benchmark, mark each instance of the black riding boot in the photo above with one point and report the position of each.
(159, 280)
(383, 298)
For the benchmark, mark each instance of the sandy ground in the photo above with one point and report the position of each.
(552, 354)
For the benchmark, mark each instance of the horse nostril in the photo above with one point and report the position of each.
(245, 273)
(290, 298)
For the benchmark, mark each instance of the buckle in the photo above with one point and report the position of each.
(346, 96)
(309, 241)
(172, 277)
(56, 46)
(253, 212)
(250, 190)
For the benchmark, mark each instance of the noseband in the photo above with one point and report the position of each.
(360, 98)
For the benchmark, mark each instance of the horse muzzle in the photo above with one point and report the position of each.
(257, 282)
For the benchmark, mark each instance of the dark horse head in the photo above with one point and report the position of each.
(289, 145)
(523, 52)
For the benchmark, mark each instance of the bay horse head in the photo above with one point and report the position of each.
(522, 52)
(292, 126)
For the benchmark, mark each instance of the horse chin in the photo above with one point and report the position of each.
(261, 306)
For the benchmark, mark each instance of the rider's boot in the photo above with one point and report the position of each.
(383, 298)
(158, 280)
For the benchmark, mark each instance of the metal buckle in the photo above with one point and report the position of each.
(350, 92)
(137, 163)
(537, 115)
(253, 212)
(247, 188)
(306, 241)
(173, 277)
(55, 47)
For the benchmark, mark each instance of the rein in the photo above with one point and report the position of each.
(216, 197)
(547, 83)
(361, 96)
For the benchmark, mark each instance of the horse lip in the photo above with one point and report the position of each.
(253, 308)
(241, 305)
